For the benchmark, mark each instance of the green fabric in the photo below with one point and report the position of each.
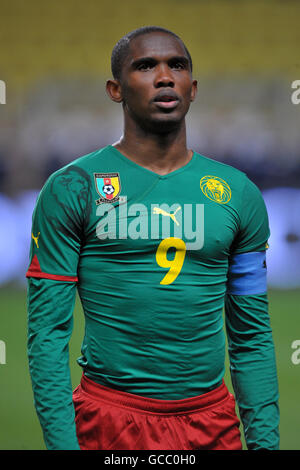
(253, 368)
(147, 332)
(50, 307)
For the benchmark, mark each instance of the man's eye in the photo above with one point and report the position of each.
(178, 65)
(144, 66)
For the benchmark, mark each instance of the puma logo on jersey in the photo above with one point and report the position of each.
(36, 239)
(158, 210)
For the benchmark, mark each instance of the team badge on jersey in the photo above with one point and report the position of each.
(215, 189)
(108, 186)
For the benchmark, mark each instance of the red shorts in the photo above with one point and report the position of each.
(108, 419)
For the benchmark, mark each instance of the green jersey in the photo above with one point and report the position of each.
(155, 259)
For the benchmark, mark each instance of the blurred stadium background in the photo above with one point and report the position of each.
(54, 60)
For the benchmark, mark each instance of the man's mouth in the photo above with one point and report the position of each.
(166, 100)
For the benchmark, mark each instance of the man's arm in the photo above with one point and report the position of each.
(50, 320)
(253, 368)
(250, 342)
(57, 233)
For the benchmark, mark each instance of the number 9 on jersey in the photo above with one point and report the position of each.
(174, 265)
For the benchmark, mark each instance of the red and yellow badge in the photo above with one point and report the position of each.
(215, 189)
(108, 186)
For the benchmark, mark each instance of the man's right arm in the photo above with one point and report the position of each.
(50, 321)
(57, 232)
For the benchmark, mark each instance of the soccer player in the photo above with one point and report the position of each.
(157, 239)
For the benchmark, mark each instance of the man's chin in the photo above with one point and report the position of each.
(166, 122)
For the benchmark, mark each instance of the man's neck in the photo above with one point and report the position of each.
(160, 153)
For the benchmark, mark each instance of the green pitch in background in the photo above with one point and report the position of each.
(19, 426)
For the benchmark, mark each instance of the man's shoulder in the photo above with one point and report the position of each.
(84, 166)
(76, 176)
(212, 165)
(88, 161)
(227, 175)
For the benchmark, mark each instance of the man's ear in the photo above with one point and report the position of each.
(194, 90)
(113, 89)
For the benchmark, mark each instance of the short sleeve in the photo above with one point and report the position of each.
(254, 229)
(57, 225)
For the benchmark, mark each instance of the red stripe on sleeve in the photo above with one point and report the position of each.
(34, 270)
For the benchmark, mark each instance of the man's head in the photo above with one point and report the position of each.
(152, 71)
(121, 49)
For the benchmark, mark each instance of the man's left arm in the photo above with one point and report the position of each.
(250, 340)
(253, 368)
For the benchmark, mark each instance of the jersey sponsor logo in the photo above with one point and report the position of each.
(108, 186)
(159, 210)
(35, 239)
(215, 189)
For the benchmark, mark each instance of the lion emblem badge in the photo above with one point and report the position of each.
(215, 189)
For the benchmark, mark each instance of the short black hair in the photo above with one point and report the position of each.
(121, 49)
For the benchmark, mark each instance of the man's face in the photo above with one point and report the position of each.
(156, 82)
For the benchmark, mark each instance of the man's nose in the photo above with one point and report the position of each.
(164, 77)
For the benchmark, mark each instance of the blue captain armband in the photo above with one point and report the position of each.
(247, 274)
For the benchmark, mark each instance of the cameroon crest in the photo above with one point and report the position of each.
(108, 186)
(215, 189)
